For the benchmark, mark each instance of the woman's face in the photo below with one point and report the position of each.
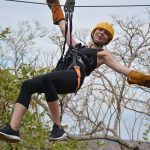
(101, 36)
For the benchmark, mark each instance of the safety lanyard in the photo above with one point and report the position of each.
(68, 8)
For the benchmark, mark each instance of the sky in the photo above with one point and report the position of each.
(12, 12)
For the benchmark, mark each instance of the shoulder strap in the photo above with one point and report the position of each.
(66, 30)
(86, 50)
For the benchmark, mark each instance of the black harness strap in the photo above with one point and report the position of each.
(85, 50)
(66, 30)
(68, 8)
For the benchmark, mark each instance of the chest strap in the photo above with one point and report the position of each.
(76, 59)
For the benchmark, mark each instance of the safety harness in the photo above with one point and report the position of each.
(72, 58)
(68, 60)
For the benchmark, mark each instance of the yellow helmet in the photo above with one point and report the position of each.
(107, 26)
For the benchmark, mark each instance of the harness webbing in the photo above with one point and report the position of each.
(66, 30)
(74, 52)
(69, 8)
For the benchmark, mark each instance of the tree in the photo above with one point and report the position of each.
(98, 112)
(4, 33)
(108, 97)
(19, 47)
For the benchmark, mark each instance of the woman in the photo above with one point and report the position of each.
(67, 81)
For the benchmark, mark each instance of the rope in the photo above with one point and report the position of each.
(140, 5)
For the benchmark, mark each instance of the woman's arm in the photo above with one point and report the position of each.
(59, 19)
(62, 28)
(105, 57)
(133, 77)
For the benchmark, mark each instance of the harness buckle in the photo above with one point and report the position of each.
(69, 6)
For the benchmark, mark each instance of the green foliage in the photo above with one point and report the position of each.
(146, 133)
(4, 33)
(34, 127)
(69, 145)
(26, 71)
(34, 130)
(8, 95)
(100, 144)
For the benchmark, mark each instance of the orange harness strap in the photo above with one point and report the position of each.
(77, 69)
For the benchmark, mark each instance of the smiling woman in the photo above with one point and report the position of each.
(78, 65)
(104, 31)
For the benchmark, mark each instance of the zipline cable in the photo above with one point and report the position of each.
(143, 5)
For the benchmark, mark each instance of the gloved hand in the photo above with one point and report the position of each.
(58, 15)
(135, 77)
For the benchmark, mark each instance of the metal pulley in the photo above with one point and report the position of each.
(69, 6)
